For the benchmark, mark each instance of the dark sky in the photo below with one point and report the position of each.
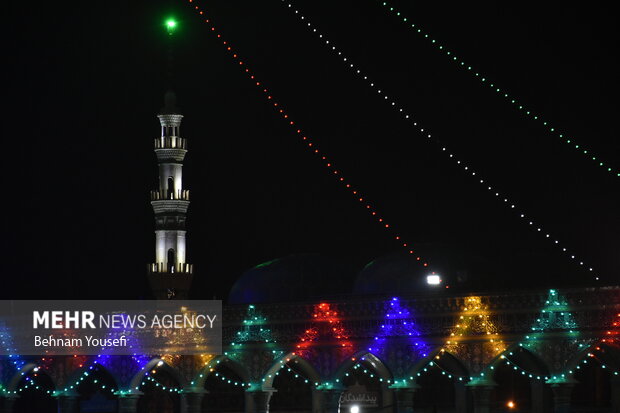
(83, 84)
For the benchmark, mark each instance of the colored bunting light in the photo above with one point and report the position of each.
(309, 143)
(475, 321)
(462, 165)
(509, 98)
(254, 329)
(326, 327)
(398, 322)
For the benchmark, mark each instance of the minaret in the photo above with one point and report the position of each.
(170, 275)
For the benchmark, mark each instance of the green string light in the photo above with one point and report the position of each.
(509, 98)
(460, 164)
(311, 146)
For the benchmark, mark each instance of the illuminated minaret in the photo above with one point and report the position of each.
(170, 275)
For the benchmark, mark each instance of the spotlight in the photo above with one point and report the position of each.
(433, 279)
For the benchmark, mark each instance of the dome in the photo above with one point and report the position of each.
(294, 278)
(398, 272)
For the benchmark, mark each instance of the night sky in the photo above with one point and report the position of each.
(83, 85)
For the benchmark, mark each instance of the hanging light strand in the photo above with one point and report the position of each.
(462, 165)
(309, 143)
(511, 99)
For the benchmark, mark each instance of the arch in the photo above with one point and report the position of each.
(161, 392)
(361, 356)
(158, 364)
(172, 259)
(98, 390)
(311, 373)
(593, 386)
(608, 358)
(437, 392)
(199, 380)
(37, 394)
(170, 187)
(293, 378)
(77, 373)
(22, 372)
(442, 358)
(225, 382)
(355, 377)
(530, 357)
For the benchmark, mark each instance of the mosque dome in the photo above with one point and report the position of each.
(390, 274)
(297, 277)
(401, 273)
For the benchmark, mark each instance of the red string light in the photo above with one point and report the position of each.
(311, 145)
(326, 326)
(461, 164)
(613, 334)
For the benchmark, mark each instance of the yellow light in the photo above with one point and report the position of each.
(511, 404)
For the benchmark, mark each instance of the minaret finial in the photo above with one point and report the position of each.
(171, 26)
(170, 104)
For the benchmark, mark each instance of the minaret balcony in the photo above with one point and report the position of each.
(180, 268)
(170, 206)
(170, 142)
(170, 155)
(181, 194)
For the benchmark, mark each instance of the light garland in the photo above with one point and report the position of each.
(6, 341)
(398, 322)
(158, 385)
(35, 371)
(309, 144)
(603, 365)
(363, 369)
(475, 320)
(444, 372)
(240, 383)
(556, 315)
(326, 322)
(612, 335)
(221, 377)
(524, 372)
(461, 164)
(253, 330)
(503, 94)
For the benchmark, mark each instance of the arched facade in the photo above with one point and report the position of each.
(383, 368)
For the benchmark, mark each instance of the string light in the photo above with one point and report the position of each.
(36, 370)
(253, 330)
(159, 385)
(326, 323)
(473, 321)
(7, 342)
(398, 322)
(612, 334)
(501, 92)
(309, 143)
(444, 372)
(555, 315)
(240, 383)
(523, 372)
(467, 169)
(600, 362)
(367, 371)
